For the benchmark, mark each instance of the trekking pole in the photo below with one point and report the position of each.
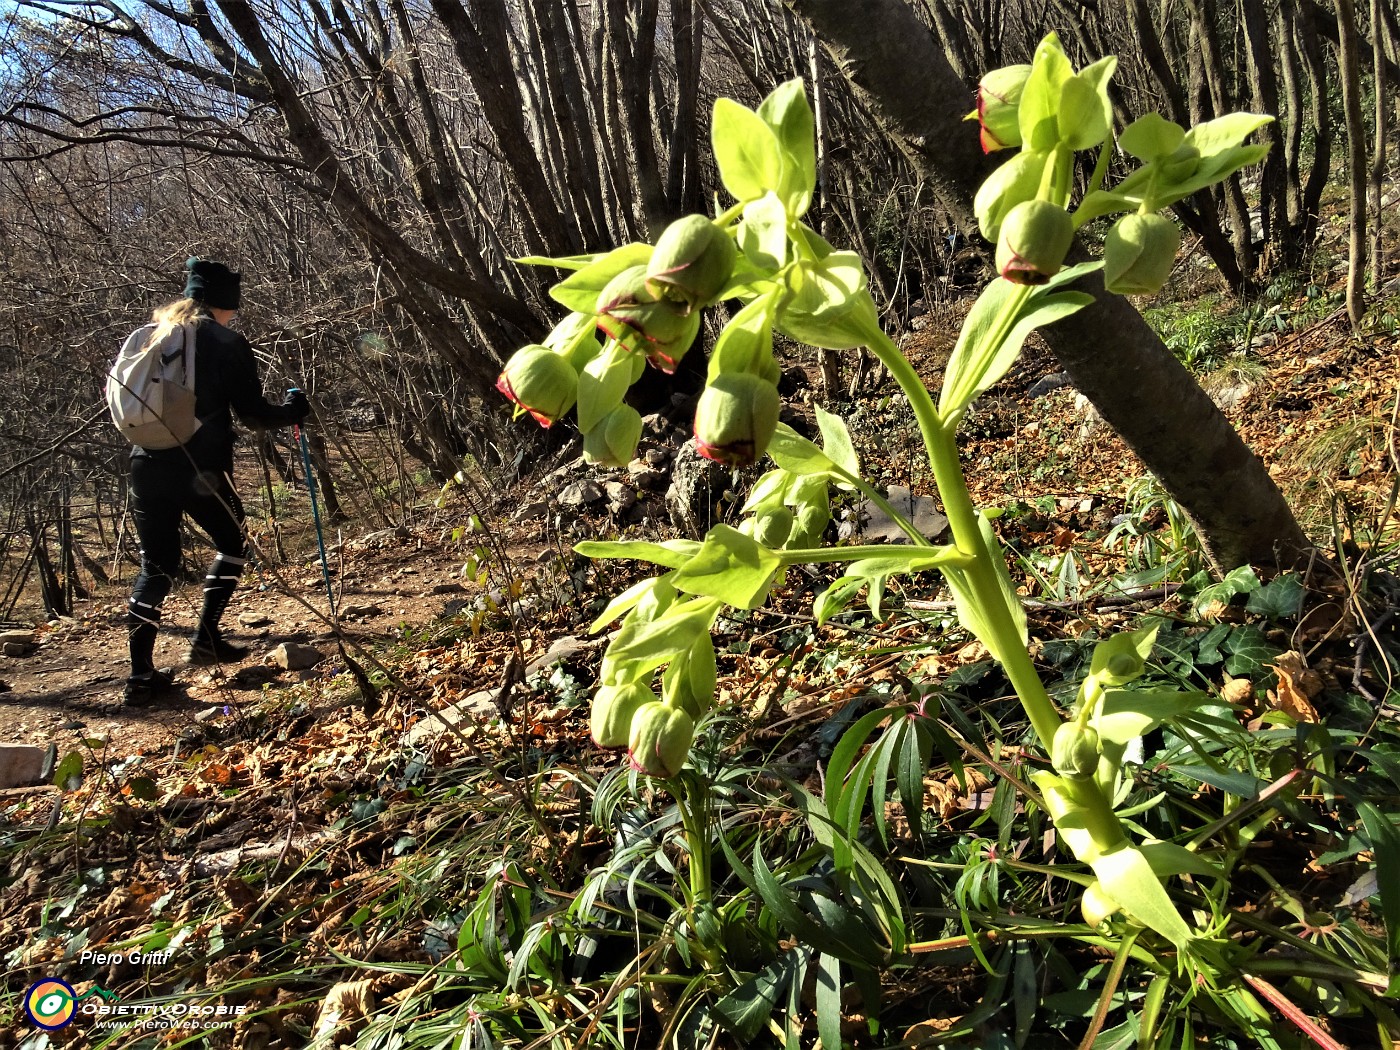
(315, 508)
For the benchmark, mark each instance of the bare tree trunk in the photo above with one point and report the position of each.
(1349, 64)
(1379, 35)
(1139, 388)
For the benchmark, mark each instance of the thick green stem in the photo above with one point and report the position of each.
(981, 573)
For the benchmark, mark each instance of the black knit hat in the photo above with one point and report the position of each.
(212, 283)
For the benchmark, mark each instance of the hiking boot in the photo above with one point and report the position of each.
(214, 649)
(141, 689)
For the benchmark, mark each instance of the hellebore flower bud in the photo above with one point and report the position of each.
(998, 99)
(613, 709)
(691, 263)
(613, 442)
(1138, 254)
(660, 739)
(639, 320)
(1074, 752)
(541, 382)
(736, 417)
(772, 526)
(1035, 237)
(1096, 906)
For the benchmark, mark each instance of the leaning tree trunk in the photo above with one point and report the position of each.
(1135, 383)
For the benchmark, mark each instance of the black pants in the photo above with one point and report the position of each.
(164, 489)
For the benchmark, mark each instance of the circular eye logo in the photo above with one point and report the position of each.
(50, 1003)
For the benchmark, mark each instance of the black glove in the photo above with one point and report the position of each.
(296, 403)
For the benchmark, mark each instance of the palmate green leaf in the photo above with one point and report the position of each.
(794, 922)
(979, 360)
(579, 291)
(746, 151)
(729, 566)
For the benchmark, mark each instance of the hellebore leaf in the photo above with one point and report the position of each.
(1151, 136)
(1085, 112)
(1126, 876)
(795, 454)
(763, 235)
(746, 343)
(1015, 181)
(563, 262)
(672, 554)
(836, 441)
(729, 566)
(642, 646)
(789, 114)
(746, 151)
(602, 385)
(832, 307)
(1040, 98)
(627, 601)
(978, 359)
(579, 291)
(1215, 137)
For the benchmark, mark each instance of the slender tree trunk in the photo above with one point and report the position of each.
(1349, 63)
(1136, 384)
(1379, 34)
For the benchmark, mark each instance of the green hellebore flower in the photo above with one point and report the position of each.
(660, 739)
(540, 382)
(1034, 239)
(1138, 254)
(629, 312)
(736, 418)
(613, 709)
(998, 96)
(613, 442)
(692, 262)
(1074, 752)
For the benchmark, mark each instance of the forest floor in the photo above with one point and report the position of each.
(418, 610)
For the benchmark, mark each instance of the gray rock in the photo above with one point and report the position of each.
(1048, 384)
(20, 637)
(361, 612)
(478, 707)
(20, 764)
(293, 656)
(562, 650)
(696, 485)
(532, 511)
(254, 619)
(656, 457)
(581, 493)
(16, 648)
(620, 496)
(920, 510)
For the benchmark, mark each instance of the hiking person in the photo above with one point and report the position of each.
(196, 478)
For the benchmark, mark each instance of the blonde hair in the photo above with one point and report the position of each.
(172, 315)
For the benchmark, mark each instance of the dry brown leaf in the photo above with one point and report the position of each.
(1238, 691)
(1296, 686)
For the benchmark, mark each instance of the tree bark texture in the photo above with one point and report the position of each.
(1349, 61)
(1108, 350)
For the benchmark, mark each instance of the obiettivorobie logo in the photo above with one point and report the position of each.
(51, 1004)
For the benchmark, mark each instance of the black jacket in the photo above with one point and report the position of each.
(225, 378)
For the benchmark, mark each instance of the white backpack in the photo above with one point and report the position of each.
(150, 389)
